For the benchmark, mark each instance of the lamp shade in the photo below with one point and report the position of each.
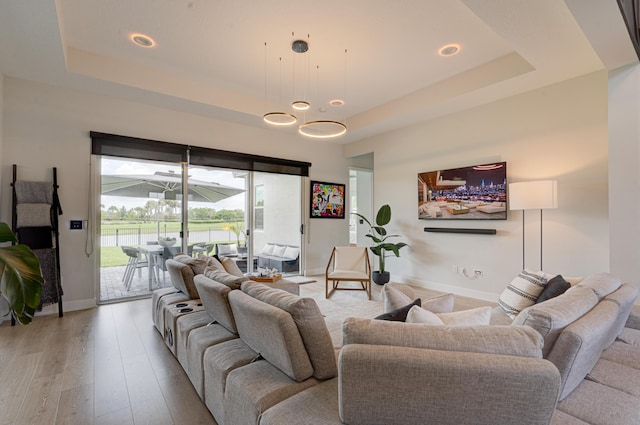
(536, 195)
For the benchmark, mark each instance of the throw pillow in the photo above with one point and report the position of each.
(395, 298)
(227, 249)
(231, 267)
(400, 314)
(291, 252)
(474, 316)
(267, 249)
(278, 251)
(420, 315)
(522, 292)
(556, 286)
(212, 261)
(197, 265)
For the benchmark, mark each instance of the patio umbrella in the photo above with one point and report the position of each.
(142, 186)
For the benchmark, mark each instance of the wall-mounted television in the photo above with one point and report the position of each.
(478, 192)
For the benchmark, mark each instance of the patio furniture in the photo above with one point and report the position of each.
(136, 262)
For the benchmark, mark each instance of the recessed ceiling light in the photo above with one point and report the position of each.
(336, 102)
(141, 40)
(449, 50)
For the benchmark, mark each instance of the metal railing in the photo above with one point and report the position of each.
(120, 236)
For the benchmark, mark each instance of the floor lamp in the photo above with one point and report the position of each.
(536, 195)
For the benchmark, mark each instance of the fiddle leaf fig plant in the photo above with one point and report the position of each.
(20, 277)
(379, 236)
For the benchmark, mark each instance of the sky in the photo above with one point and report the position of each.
(113, 166)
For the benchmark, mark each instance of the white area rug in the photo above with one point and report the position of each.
(300, 279)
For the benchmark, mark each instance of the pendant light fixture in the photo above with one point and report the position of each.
(276, 118)
(318, 129)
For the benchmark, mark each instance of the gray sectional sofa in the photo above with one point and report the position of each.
(261, 355)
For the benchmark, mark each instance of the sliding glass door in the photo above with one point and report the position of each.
(277, 220)
(253, 218)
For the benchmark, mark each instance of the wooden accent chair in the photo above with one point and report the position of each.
(348, 263)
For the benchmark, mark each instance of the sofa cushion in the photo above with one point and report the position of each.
(508, 340)
(253, 389)
(182, 278)
(522, 292)
(272, 332)
(623, 297)
(318, 405)
(267, 249)
(602, 284)
(554, 287)
(630, 336)
(215, 299)
(227, 249)
(218, 362)
(616, 375)
(231, 267)
(399, 314)
(552, 316)
(224, 277)
(599, 404)
(212, 261)
(622, 353)
(561, 418)
(197, 264)
(580, 345)
(395, 296)
(474, 316)
(310, 322)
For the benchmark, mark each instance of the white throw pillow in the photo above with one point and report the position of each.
(522, 292)
(395, 298)
(420, 315)
(474, 316)
(267, 249)
(291, 252)
(278, 251)
(227, 249)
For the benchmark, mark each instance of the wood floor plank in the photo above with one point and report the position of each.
(41, 404)
(76, 406)
(119, 417)
(147, 401)
(16, 381)
(183, 401)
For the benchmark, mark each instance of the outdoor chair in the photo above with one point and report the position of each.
(348, 264)
(136, 262)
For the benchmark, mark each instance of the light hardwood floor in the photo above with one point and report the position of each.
(108, 365)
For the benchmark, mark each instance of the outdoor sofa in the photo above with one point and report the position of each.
(260, 355)
(284, 258)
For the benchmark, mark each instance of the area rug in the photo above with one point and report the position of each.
(300, 279)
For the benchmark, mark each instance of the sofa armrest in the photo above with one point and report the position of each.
(634, 318)
(389, 384)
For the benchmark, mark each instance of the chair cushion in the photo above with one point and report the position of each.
(351, 258)
(310, 323)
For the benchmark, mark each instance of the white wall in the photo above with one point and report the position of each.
(557, 132)
(46, 126)
(624, 172)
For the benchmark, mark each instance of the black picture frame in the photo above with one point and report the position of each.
(326, 200)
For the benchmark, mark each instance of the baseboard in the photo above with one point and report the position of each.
(443, 287)
(67, 306)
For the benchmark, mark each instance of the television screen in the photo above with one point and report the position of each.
(478, 192)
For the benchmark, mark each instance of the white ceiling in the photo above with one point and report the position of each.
(211, 58)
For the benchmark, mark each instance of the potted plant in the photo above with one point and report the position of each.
(20, 277)
(238, 229)
(379, 236)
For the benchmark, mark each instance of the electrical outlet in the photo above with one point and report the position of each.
(455, 269)
(477, 273)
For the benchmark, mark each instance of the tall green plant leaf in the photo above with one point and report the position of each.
(20, 277)
(384, 215)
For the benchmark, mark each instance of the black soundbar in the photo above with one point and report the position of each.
(457, 230)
